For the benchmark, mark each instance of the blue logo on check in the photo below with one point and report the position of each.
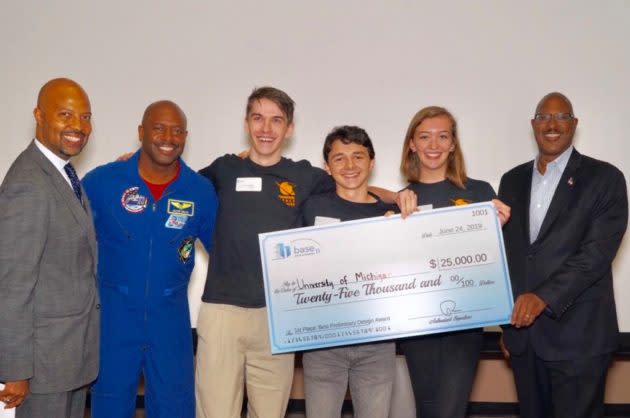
(297, 248)
(282, 251)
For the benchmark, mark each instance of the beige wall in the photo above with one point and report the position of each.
(369, 63)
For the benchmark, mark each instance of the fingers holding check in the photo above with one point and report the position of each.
(14, 393)
(503, 211)
(407, 201)
(526, 309)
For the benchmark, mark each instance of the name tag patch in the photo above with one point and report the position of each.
(249, 184)
(180, 207)
(176, 221)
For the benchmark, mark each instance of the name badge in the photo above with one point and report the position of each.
(324, 220)
(249, 184)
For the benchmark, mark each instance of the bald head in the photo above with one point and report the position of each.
(557, 97)
(63, 117)
(59, 87)
(162, 105)
(163, 137)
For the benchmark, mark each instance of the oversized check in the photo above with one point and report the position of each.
(383, 278)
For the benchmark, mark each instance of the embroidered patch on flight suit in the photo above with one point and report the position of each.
(460, 201)
(176, 221)
(286, 192)
(184, 251)
(180, 207)
(133, 201)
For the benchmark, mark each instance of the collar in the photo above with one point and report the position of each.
(560, 163)
(58, 162)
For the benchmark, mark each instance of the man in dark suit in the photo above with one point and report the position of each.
(569, 214)
(48, 301)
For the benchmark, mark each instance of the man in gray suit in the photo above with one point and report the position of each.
(48, 300)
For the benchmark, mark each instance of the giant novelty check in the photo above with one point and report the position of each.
(383, 278)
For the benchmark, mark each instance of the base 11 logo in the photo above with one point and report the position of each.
(282, 251)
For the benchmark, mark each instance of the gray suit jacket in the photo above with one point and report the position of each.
(48, 301)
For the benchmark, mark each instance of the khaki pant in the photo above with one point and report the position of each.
(233, 351)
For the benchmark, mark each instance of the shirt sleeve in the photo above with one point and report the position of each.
(210, 172)
(487, 192)
(322, 181)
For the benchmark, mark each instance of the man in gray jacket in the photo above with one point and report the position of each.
(48, 300)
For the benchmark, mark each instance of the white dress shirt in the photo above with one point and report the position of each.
(59, 163)
(543, 188)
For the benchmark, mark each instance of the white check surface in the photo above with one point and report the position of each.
(385, 278)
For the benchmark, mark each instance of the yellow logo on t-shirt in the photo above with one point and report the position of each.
(460, 201)
(286, 192)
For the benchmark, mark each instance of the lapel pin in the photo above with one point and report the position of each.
(570, 181)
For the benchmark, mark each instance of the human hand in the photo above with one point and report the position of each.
(527, 308)
(14, 393)
(503, 211)
(407, 201)
(125, 156)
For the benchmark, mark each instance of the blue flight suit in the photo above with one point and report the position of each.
(145, 258)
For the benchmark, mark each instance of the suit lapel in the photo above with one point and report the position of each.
(562, 195)
(82, 216)
(522, 187)
(91, 231)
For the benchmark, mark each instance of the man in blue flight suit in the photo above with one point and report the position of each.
(148, 212)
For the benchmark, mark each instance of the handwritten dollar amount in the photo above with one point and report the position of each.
(458, 261)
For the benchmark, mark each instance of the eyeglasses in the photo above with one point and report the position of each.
(546, 117)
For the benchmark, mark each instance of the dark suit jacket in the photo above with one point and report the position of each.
(48, 301)
(569, 264)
